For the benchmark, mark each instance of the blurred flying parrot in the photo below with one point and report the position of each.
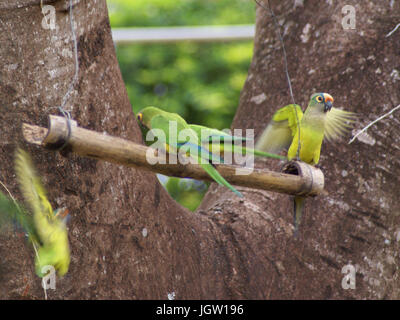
(45, 229)
(304, 141)
(218, 141)
(151, 118)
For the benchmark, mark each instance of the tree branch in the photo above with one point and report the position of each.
(87, 143)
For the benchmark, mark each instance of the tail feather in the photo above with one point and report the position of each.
(298, 204)
(267, 154)
(219, 179)
(233, 148)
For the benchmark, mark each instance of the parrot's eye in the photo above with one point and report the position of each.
(319, 99)
(140, 117)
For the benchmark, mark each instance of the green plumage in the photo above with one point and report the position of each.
(305, 140)
(45, 229)
(151, 118)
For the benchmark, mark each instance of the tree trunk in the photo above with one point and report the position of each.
(130, 240)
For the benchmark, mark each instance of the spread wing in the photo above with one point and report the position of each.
(34, 194)
(338, 123)
(279, 133)
(50, 228)
(11, 212)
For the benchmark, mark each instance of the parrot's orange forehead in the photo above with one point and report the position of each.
(327, 97)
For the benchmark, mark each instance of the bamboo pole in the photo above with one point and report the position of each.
(300, 179)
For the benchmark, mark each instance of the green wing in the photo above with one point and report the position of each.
(11, 212)
(52, 232)
(191, 139)
(279, 133)
(34, 194)
(164, 122)
(338, 123)
(185, 137)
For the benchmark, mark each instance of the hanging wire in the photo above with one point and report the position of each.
(71, 86)
(75, 78)
(278, 30)
(64, 100)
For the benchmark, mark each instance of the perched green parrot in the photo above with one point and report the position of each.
(151, 118)
(219, 141)
(46, 229)
(304, 141)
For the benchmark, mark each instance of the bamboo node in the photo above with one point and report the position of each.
(313, 178)
(59, 132)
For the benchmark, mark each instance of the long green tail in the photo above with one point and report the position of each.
(264, 154)
(203, 154)
(298, 203)
(218, 178)
(243, 150)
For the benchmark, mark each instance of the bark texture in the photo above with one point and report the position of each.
(130, 240)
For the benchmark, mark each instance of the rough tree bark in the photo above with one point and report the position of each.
(130, 240)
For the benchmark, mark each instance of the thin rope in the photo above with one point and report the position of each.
(75, 78)
(286, 66)
(393, 31)
(66, 113)
(373, 122)
(64, 100)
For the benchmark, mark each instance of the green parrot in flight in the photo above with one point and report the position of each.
(151, 118)
(46, 229)
(304, 141)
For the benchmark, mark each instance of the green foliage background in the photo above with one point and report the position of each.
(200, 81)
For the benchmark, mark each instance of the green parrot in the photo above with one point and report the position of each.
(217, 141)
(45, 229)
(151, 118)
(304, 141)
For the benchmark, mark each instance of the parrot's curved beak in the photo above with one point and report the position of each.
(328, 106)
(62, 214)
(328, 102)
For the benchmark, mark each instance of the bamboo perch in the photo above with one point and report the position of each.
(87, 143)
